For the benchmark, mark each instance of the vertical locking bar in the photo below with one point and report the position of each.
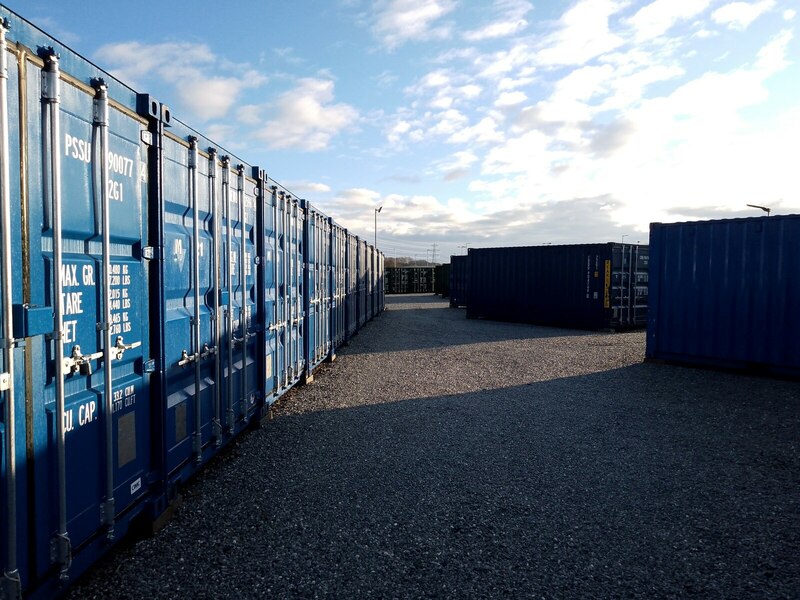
(226, 202)
(11, 580)
(101, 123)
(51, 97)
(286, 245)
(296, 280)
(243, 286)
(276, 284)
(215, 283)
(197, 442)
(298, 262)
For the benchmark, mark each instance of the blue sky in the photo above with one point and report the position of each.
(477, 123)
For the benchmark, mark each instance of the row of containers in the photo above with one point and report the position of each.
(410, 280)
(721, 293)
(158, 295)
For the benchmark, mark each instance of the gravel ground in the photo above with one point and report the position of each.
(441, 457)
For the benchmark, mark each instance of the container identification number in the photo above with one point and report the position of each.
(81, 150)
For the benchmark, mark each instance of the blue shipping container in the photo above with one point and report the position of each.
(589, 286)
(157, 295)
(726, 294)
(459, 280)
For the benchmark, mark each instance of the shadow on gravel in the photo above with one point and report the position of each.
(644, 481)
(684, 484)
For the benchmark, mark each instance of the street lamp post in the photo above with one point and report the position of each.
(766, 209)
(377, 210)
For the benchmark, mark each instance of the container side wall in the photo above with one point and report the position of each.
(725, 293)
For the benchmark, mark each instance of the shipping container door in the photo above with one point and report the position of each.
(269, 293)
(17, 356)
(311, 286)
(237, 340)
(340, 284)
(189, 287)
(352, 284)
(362, 283)
(327, 288)
(296, 293)
(86, 186)
(243, 334)
(282, 292)
(629, 285)
(289, 280)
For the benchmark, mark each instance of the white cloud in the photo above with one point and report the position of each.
(469, 91)
(658, 17)
(506, 99)
(498, 65)
(789, 14)
(213, 97)
(582, 34)
(739, 15)
(399, 21)
(190, 68)
(772, 56)
(511, 22)
(306, 118)
(456, 166)
(509, 83)
(449, 122)
(359, 197)
(308, 187)
(484, 132)
(249, 114)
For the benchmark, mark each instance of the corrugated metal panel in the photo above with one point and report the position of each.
(339, 306)
(442, 280)
(382, 282)
(317, 256)
(459, 280)
(363, 274)
(726, 293)
(76, 395)
(352, 283)
(591, 286)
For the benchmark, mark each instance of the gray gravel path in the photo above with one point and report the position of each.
(441, 457)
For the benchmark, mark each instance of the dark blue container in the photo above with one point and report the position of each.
(586, 286)
(77, 399)
(352, 277)
(410, 280)
(381, 282)
(459, 280)
(441, 278)
(363, 276)
(317, 285)
(157, 295)
(726, 294)
(339, 284)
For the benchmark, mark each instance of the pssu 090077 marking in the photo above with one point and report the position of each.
(79, 149)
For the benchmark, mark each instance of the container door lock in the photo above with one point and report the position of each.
(186, 358)
(120, 347)
(77, 362)
(207, 351)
